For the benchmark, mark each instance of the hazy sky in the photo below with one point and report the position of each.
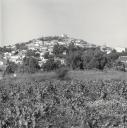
(0, 22)
(96, 21)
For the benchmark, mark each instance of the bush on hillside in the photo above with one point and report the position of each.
(11, 68)
(51, 65)
(120, 66)
(74, 60)
(30, 65)
(62, 73)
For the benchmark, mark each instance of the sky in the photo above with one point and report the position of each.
(0, 22)
(102, 22)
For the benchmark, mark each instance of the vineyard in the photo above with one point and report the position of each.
(29, 103)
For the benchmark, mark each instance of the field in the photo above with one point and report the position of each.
(80, 75)
(89, 99)
(98, 75)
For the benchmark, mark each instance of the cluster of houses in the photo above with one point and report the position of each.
(16, 58)
(123, 59)
(43, 46)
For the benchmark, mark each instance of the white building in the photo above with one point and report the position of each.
(7, 55)
(1, 63)
(61, 43)
(14, 58)
(118, 49)
(61, 60)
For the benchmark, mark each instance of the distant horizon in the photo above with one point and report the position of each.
(101, 22)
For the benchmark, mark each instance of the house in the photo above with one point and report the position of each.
(3, 63)
(123, 59)
(61, 60)
(64, 53)
(61, 43)
(78, 44)
(106, 49)
(14, 58)
(118, 49)
(7, 55)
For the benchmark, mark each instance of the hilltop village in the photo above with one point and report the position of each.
(17, 52)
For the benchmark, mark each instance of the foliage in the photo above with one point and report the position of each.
(21, 46)
(11, 67)
(37, 55)
(99, 60)
(62, 73)
(46, 55)
(51, 65)
(58, 49)
(120, 66)
(5, 49)
(87, 57)
(74, 60)
(30, 53)
(114, 55)
(71, 48)
(30, 65)
(62, 104)
(56, 38)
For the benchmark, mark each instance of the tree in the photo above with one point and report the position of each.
(37, 55)
(114, 55)
(74, 60)
(99, 60)
(6, 49)
(21, 46)
(46, 55)
(111, 58)
(120, 66)
(71, 48)
(62, 73)
(87, 56)
(11, 68)
(30, 53)
(94, 58)
(30, 65)
(58, 49)
(51, 65)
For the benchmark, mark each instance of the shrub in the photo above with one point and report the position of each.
(62, 73)
(51, 65)
(30, 65)
(120, 66)
(11, 68)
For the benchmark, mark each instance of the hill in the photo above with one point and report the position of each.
(42, 45)
(49, 41)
